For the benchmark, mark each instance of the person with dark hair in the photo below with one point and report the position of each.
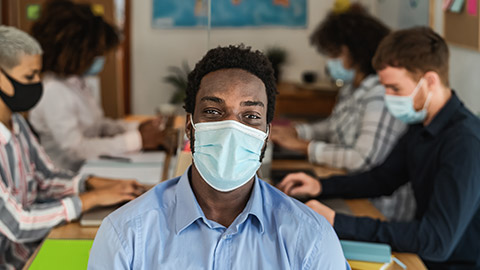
(439, 155)
(70, 122)
(360, 132)
(218, 214)
(35, 196)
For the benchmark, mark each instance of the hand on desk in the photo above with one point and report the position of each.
(104, 192)
(303, 185)
(158, 132)
(300, 185)
(286, 136)
(152, 134)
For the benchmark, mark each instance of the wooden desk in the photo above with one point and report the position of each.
(305, 100)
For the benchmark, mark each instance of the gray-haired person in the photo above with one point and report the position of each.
(34, 195)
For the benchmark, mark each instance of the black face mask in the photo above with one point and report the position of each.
(25, 97)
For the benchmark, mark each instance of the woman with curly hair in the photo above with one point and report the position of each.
(68, 119)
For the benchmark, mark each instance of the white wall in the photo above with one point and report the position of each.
(153, 50)
(464, 69)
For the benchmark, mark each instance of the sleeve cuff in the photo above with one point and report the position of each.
(80, 183)
(133, 141)
(315, 151)
(130, 126)
(304, 131)
(345, 226)
(329, 188)
(73, 207)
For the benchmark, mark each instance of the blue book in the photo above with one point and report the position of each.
(367, 252)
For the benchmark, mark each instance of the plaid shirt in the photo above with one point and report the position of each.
(34, 195)
(359, 134)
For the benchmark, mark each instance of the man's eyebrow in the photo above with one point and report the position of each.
(213, 99)
(252, 103)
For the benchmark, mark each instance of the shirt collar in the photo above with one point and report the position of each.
(444, 115)
(6, 134)
(187, 209)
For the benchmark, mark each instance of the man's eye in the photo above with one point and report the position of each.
(30, 77)
(212, 112)
(253, 116)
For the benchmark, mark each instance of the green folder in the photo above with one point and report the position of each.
(62, 254)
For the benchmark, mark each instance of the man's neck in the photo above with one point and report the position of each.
(221, 207)
(5, 115)
(439, 100)
(359, 76)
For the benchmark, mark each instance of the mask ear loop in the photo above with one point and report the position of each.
(191, 122)
(419, 84)
(427, 101)
(191, 135)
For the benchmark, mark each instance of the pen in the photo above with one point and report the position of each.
(114, 158)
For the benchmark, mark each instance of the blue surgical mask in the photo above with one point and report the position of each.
(97, 66)
(401, 107)
(338, 72)
(227, 153)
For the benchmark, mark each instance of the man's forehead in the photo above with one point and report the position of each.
(230, 76)
(231, 81)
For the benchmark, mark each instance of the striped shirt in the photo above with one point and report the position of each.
(360, 132)
(34, 195)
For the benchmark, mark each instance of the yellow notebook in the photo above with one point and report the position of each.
(361, 265)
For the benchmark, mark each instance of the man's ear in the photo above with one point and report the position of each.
(5, 85)
(188, 126)
(269, 130)
(432, 79)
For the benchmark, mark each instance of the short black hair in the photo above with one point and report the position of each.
(357, 30)
(241, 57)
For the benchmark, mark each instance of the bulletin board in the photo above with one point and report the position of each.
(463, 28)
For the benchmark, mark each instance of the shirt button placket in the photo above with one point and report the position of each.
(222, 254)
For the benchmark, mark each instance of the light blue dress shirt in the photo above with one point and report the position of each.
(166, 229)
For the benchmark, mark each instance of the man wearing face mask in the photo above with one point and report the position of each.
(218, 214)
(34, 195)
(70, 122)
(439, 155)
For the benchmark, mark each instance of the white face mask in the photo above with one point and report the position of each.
(401, 107)
(227, 153)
